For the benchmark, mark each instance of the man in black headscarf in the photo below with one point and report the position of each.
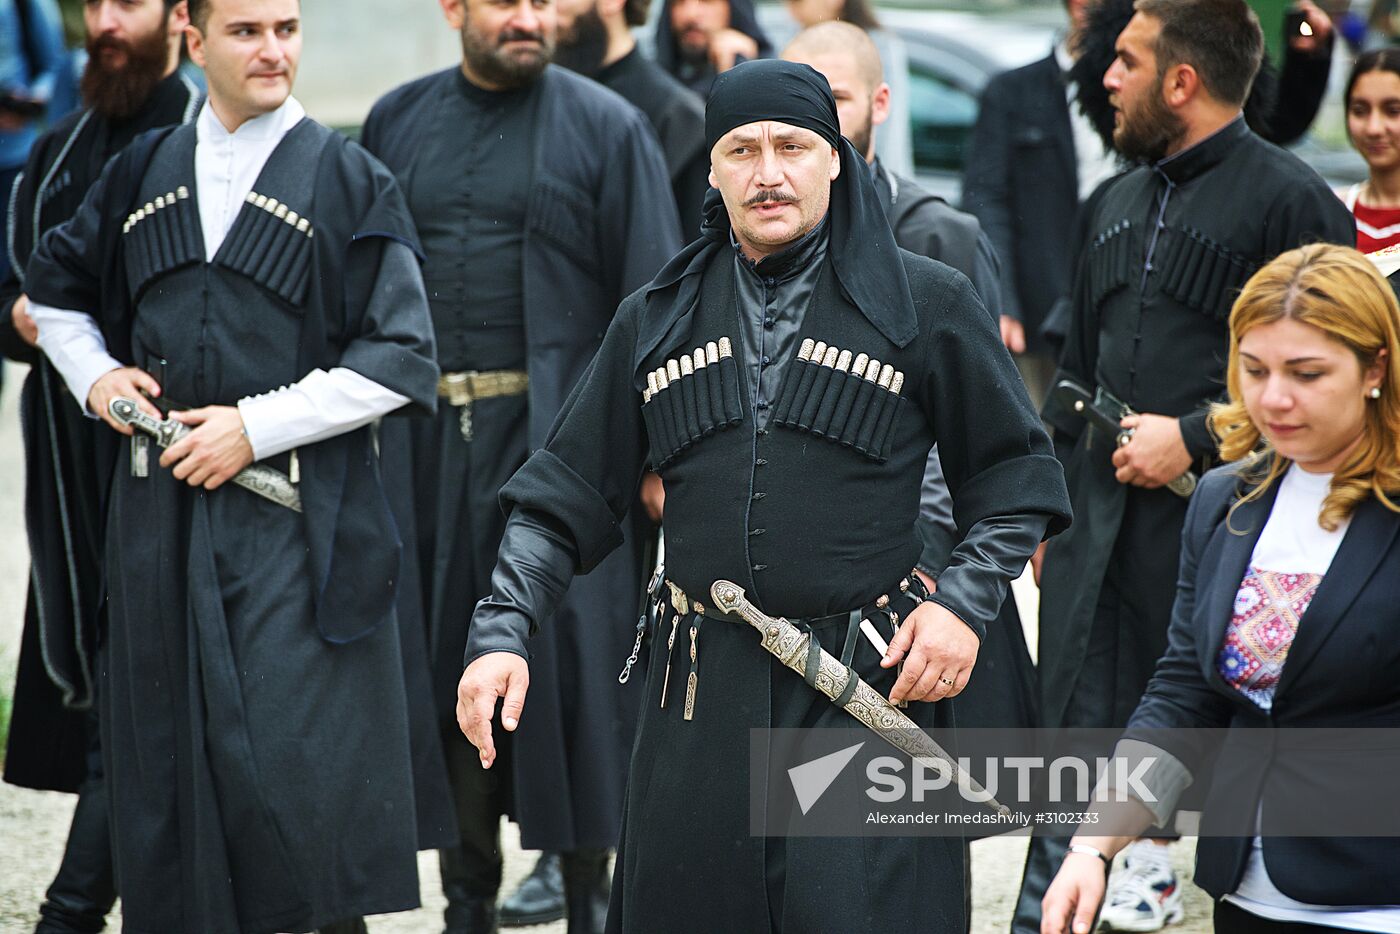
(699, 39)
(761, 436)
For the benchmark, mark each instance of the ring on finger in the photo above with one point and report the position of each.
(948, 681)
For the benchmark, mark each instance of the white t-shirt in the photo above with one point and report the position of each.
(1293, 543)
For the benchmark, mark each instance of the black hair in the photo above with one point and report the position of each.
(1382, 59)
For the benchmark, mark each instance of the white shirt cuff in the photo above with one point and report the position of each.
(319, 406)
(74, 344)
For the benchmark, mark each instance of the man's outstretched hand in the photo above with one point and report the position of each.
(497, 674)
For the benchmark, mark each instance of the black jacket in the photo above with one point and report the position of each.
(1023, 184)
(1339, 672)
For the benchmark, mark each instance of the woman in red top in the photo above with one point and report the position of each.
(1373, 124)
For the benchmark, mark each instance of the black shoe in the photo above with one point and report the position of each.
(584, 873)
(540, 897)
(469, 914)
(471, 896)
(348, 926)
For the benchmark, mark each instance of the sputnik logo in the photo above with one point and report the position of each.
(811, 779)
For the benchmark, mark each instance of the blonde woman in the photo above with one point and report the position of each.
(1286, 611)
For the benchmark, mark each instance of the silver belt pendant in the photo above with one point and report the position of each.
(140, 455)
(464, 419)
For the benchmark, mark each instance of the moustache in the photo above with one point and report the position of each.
(771, 195)
(520, 35)
(109, 44)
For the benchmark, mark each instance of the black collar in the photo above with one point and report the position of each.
(1205, 155)
(483, 97)
(622, 66)
(791, 260)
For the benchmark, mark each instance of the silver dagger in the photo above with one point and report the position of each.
(790, 646)
(257, 478)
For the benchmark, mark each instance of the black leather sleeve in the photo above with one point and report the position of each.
(993, 554)
(534, 566)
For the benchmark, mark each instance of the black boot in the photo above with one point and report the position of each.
(584, 872)
(83, 891)
(540, 897)
(469, 909)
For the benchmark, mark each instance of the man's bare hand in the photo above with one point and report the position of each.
(1013, 334)
(127, 382)
(1155, 456)
(1318, 34)
(214, 452)
(1074, 896)
(936, 648)
(25, 327)
(497, 674)
(653, 496)
(728, 45)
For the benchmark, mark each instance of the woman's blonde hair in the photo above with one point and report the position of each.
(1340, 292)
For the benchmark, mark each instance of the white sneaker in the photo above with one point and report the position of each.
(1144, 895)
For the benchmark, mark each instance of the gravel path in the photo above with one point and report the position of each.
(33, 825)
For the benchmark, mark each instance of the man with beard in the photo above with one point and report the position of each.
(253, 277)
(595, 40)
(699, 39)
(130, 85)
(542, 200)
(1169, 244)
(32, 63)
(783, 474)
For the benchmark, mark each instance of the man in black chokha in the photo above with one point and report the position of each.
(252, 275)
(792, 440)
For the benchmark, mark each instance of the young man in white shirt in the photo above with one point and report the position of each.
(254, 277)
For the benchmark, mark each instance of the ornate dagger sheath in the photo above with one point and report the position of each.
(257, 478)
(790, 646)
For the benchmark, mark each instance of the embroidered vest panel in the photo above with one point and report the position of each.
(814, 513)
(270, 241)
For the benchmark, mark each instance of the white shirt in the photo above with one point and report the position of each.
(1094, 162)
(319, 406)
(1293, 543)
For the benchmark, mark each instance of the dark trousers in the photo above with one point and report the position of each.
(84, 889)
(472, 869)
(1114, 673)
(1231, 919)
(458, 528)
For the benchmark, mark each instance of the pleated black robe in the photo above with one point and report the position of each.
(254, 722)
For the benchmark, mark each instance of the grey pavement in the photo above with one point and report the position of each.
(33, 825)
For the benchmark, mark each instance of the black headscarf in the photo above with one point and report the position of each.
(862, 250)
(741, 17)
